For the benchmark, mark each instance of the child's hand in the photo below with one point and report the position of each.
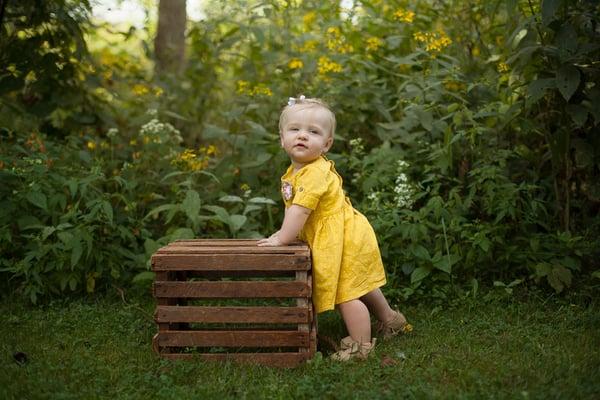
(272, 240)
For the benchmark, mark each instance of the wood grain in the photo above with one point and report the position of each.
(233, 315)
(233, 338)
(235, 289)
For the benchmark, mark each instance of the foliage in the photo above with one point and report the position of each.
(473, 151)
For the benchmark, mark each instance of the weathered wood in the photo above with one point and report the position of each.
(235, 289)
(230, 243)
(228, 250)
(268, 327)
(233, 315)
(282, 360)
(228, 262)
(233, 338)
(302, 276)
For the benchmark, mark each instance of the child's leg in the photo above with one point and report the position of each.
(358, 322)
(378, 305)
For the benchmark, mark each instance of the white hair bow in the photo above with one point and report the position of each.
(293, 100)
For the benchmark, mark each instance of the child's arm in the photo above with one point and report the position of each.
(294, 220)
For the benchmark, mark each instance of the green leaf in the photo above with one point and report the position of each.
(47, 231)
(567, 80)
(159, 209)
(419, 274)
(231, 199)
(108, 211)
(261, 200)
(549, 8)
(261, 159)
(38, 199)
(559, 277)
(420, 252)
(445, 262)
(76, 252)
(191, 204)
(518, 37)
(537, 89)
(236, 221)
(596, 274)
(144, 276)
(182, 233)
(578, 114)
(219, 212)
(566, 41)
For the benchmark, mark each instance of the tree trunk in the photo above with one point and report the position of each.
(169, 44)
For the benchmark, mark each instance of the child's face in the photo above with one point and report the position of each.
(306, 134)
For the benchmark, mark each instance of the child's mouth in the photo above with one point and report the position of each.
(301, 145)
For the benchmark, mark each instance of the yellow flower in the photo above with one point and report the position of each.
(404, 15)
(261, 89)
(308, 20)
(243, 87)
(326, 66)
(407, 328)
(295, 64)
(434, 41)
(133, 142)
(334, 31)
(309, 46)
(211, 150)
(139, 89)
(502, 67)
(91, 145)
(475, 52)
(158, 91)
(30, 77)
(245, 187)
(373, 43)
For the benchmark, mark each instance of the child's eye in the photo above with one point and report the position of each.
(293, 129)
(314, 131)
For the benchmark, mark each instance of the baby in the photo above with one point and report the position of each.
(347, 266)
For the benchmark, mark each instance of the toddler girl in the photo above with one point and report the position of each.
(347, 266)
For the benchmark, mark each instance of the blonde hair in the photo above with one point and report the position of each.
(302, 103)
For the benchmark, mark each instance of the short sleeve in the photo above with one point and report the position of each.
(310, 185)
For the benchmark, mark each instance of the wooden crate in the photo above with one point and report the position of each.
(195, 277)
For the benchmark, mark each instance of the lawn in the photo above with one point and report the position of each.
(100, 348)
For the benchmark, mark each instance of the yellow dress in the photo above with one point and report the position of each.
(346, 262)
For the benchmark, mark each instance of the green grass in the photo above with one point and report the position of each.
(100, 348)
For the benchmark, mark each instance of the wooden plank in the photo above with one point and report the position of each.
(233, 339)
(232, 289)
(232, 250)
(231, 262)
(226, 242)
(282, 360)
(217, 274)
(302, 276)
(258, 315)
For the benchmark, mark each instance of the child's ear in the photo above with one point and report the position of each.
(328, 144)
(281, 139)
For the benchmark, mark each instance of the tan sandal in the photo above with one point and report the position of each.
(351, 349)
(396, 325)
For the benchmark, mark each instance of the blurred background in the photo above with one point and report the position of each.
(467, 133)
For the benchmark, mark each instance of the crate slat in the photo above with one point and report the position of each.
(284, 360)
(234, 338)
(237, 289)
(228, 250)
(233, 315)
(229, 262)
